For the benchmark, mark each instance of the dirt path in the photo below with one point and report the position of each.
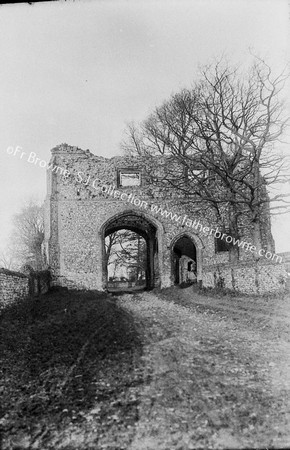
(219, 371)
(164, 370)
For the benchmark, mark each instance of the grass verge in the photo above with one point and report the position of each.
(69, 361)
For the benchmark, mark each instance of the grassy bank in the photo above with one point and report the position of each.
(69, 362)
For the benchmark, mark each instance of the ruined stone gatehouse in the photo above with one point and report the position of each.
(89, 197)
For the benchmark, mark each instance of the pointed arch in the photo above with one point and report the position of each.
(147, 227)
(194, 252)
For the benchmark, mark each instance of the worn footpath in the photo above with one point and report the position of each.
(219, 371)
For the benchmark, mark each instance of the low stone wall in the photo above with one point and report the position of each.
(254, 278)
(13, 286)
(16, 286)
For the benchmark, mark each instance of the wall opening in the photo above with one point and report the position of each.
(138, 268)
(126, 258)
(184, 261)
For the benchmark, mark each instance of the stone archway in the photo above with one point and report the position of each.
(140, 224)
(186, 253)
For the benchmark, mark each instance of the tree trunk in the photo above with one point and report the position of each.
(257, 238)
(234, 233)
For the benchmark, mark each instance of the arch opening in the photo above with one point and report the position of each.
(137, 251)
(126, 259)
(184, 261)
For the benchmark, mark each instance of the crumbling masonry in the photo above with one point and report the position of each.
(89, 197)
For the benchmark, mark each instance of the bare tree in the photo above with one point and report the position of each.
(217, 145)
(125, 248)
(28, 234)
(110, 242)
(7, 261)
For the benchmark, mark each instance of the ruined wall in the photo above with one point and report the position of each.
(80, 203)
(258, 278)
(13, 286)
(77, 208)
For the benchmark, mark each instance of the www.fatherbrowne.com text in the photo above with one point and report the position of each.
(184, 220)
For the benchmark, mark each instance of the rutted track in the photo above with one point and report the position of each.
(218, 379)
(154, 370)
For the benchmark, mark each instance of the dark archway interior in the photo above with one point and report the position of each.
(183, 247)
(140, 225)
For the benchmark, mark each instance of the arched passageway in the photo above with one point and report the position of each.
(184, 261)
(126, 258)
(142, 227)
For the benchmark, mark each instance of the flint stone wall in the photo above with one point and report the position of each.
(258, 278)
(78, 209)
(13, 286)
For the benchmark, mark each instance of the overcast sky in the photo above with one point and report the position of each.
(77, 72)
